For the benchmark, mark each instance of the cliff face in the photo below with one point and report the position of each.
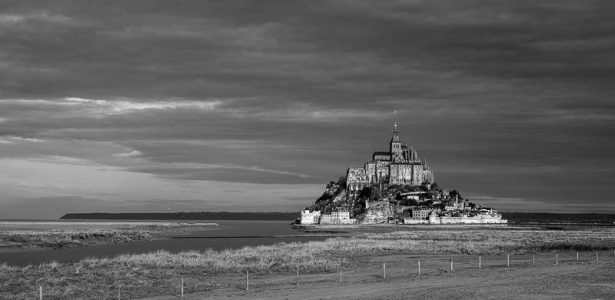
(333, 195)
(340, 197)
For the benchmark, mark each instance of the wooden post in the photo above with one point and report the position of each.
(119, 292)
(556, 259)
(40, 292)
(533, 259)
(297, 276)
(451, 264)
(480, 262)
(596, 256)
(339, 267)
(384, 270)
(419, 262)
(247, 280)
(182, 287)
(508, 260)
(577, 256)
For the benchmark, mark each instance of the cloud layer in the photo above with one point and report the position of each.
(507, 100)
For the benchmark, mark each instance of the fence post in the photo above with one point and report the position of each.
(40, 292)
(480, 261)
(451, 264)
(339, 265)
(577, 256)
(596, 256)
(297, 276)
(556, 259)
(533, 259)
(119, 292)
(247, 280)
(384, 270)
(419, 262)
(508, 260)
(182, 287)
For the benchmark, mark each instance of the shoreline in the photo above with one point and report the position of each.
(506, 226)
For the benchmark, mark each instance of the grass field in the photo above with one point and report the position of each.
(153, 274)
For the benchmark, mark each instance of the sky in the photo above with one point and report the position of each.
(165, 106)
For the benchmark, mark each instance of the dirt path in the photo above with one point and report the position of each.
(567, 280)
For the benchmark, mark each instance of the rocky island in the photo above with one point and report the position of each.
(395, 186)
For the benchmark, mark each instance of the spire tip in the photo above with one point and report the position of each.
(395, 126)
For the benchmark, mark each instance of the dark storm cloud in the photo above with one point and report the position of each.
(496, 95)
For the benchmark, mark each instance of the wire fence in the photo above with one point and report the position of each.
(377, 269)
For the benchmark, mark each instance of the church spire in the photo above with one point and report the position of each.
(395, 138)
(397, 153)
(395, 126)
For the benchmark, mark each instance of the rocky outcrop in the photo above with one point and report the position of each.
(340, 198)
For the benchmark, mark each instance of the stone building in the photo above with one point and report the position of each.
(400, 165)
(310, 217)
(337, 217)
(421, 213)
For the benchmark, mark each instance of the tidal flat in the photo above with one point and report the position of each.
(29, 235)
(158, 273)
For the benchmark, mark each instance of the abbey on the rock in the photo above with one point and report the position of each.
(400, 165)
(394, 187)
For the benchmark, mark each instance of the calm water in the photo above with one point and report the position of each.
(228, 235)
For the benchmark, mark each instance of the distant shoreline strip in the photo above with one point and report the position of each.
(258, 236)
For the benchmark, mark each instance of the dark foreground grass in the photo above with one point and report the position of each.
(153, 273)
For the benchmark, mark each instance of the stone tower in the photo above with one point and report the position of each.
(397, 153)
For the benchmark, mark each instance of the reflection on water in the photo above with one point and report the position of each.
(228, 235)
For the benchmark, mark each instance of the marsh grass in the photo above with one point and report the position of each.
(79, 234)
(502, 241)
(68, 238)
(158, 273)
